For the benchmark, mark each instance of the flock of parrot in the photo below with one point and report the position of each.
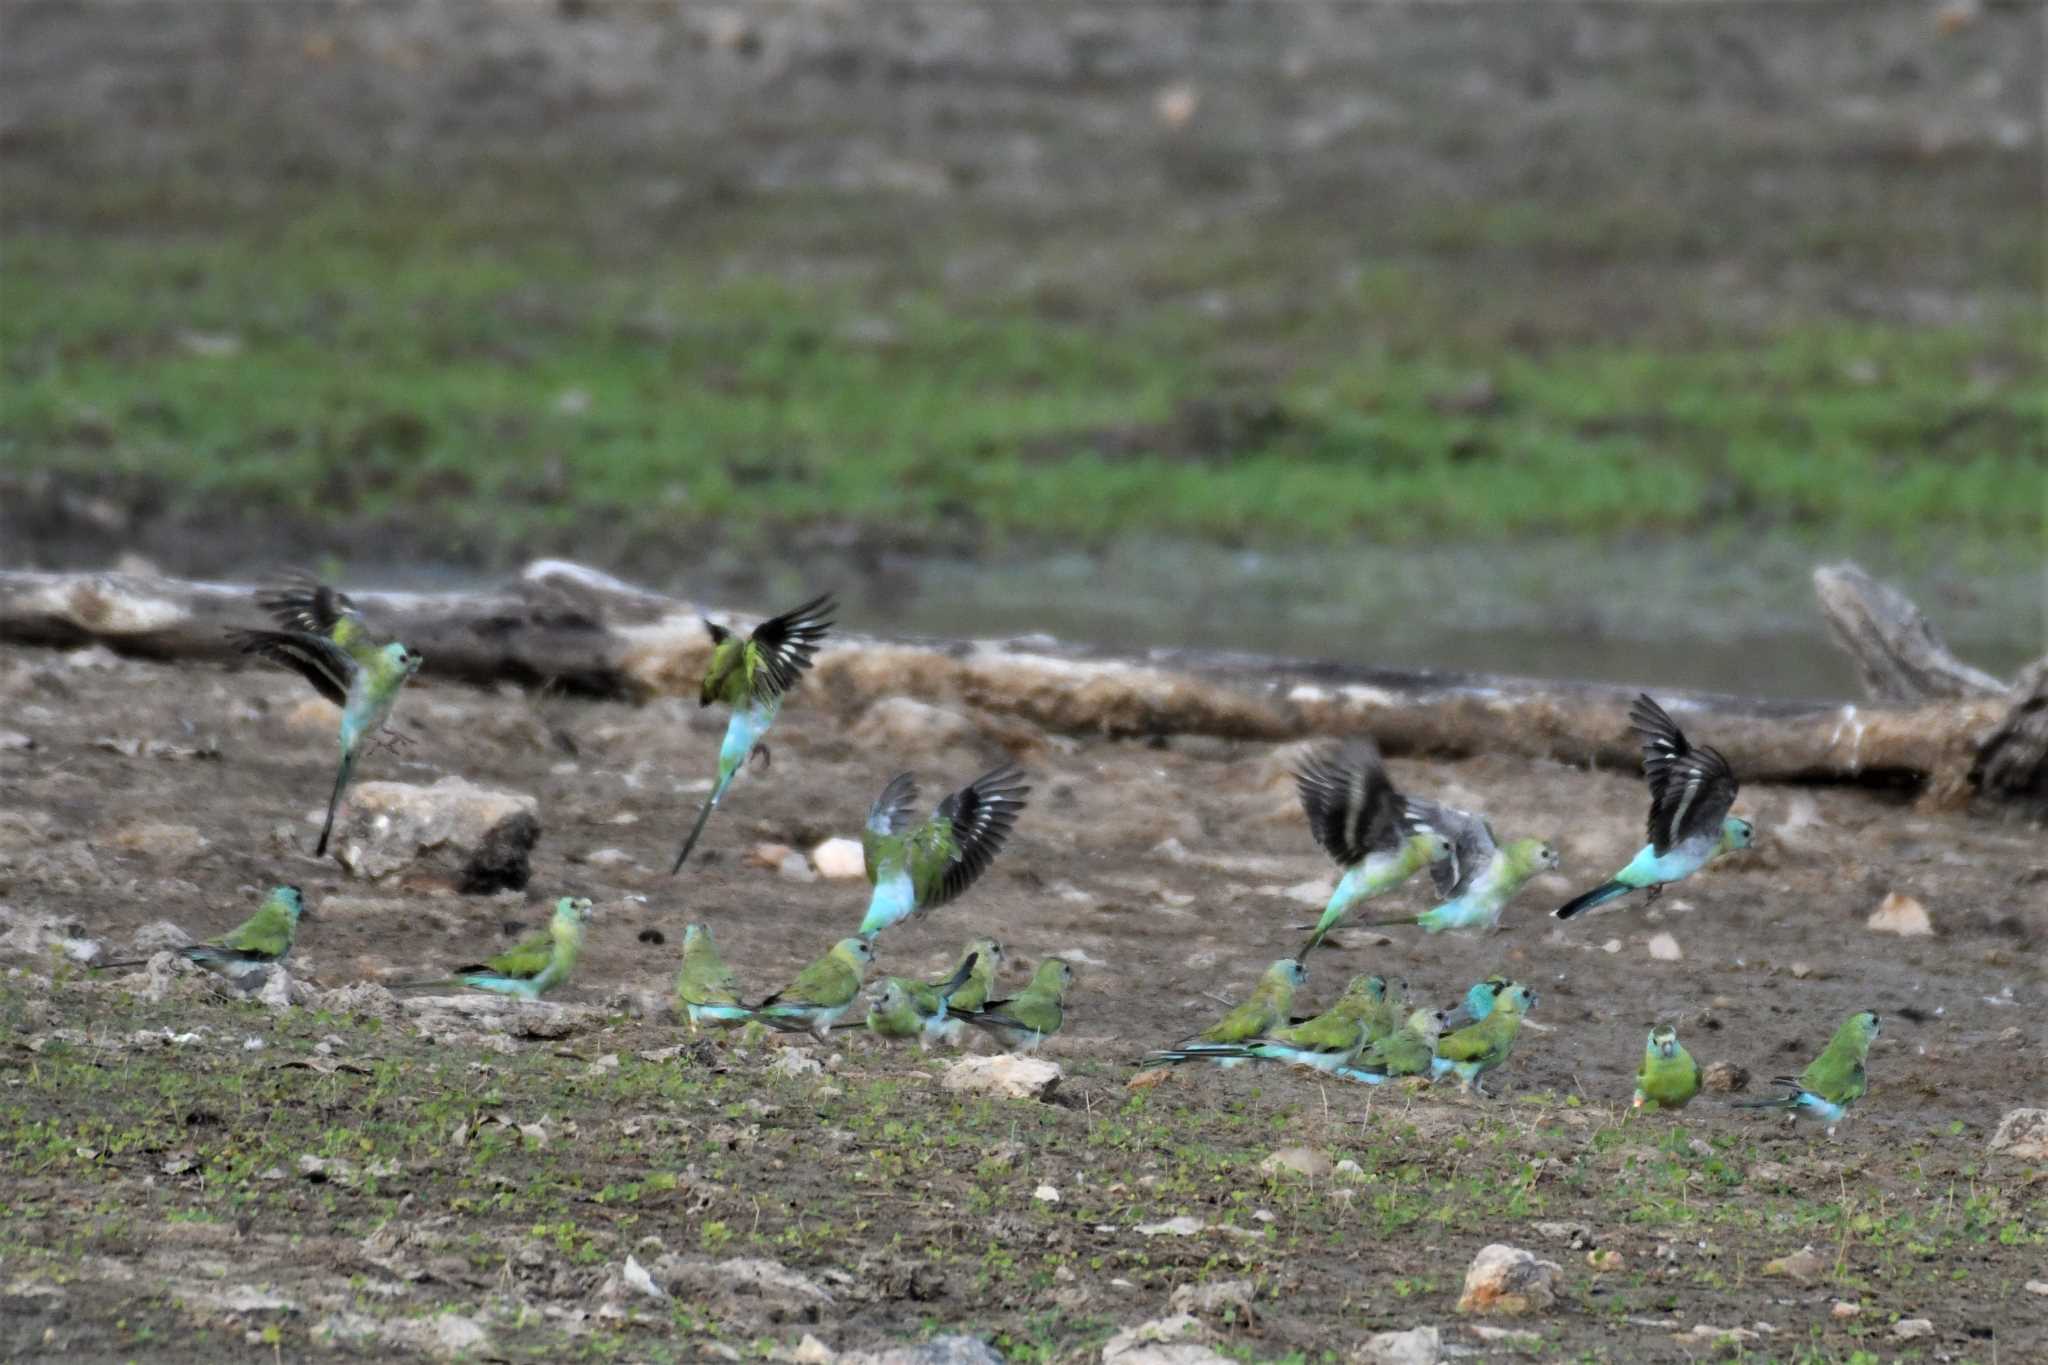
(1378, 836)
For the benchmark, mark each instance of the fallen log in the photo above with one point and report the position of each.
(1899, 654)
(567, 626)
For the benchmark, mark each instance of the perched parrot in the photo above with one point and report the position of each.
(1832, 1081)
(1032, 1015)
(533, 967)
(258, 942)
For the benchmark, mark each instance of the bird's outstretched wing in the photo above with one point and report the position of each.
(1352, 808)
(1692, 788)
(981, 814)
(317, 659)
(784, 645)
(1472, 845)
(301, 602)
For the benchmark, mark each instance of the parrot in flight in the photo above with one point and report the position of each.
(916, 868)
(325, 641)
(1479, 877)
(1365, 825)
(751, 675)
(1692, 790)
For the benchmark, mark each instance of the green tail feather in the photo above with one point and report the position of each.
(348, 763)
(703, 815)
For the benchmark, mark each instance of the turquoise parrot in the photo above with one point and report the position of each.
(1832, 1081)
(916, 868)
(1668, 1077)
(531, 968)
(1365, 825)
(258, 942)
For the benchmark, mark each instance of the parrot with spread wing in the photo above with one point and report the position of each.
(916, 868)
(326, 641)
(1479, 877)
(1365, 825)
(1692, 790)
(752, 675)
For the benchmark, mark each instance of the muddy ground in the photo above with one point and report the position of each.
(157, 1205)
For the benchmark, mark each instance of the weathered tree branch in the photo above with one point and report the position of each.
(1897, 650)
(589, 633)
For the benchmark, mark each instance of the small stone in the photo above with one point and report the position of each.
(486, 836)
(15, 740)
(636, 1277)
(770, 856)
(1297, 1160)
(1908, 1329)
(811, 1351)
(1573, 1234)
(1175, 1340)
(1151, 1076)
(1216, 1297)
(608, 857)
(1183, 1226)
(1604, 1261)
(2022, 1134)
(155, 839)
(1012, 1077)
(1508, 1280)
(1416, 1346)
(796, 868)
(1843, 1311)
(839, 858)
(1613, 945)
(1664, 948)
(1046, 1194)
(795, 1062)
(1804, 1265)
(1725, 1077)
(1715, 1338)
(1901, 915)
(1802, 970)
(1350, 1169)
(2037, 1286)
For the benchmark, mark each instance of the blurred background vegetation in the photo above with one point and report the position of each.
(1556, 338)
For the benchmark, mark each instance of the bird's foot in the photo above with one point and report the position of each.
(1656, 890)
(762, 752)
(392, 742)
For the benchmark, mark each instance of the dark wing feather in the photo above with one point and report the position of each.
(786, 644)
(982, 814)
(1472, 845)
(891, 810)
(301, 602)
(315, 658)
(1352, 808)
(1692, 789)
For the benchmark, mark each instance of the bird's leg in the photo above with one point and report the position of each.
(761, 752)
(392, 742)
(1656, 890)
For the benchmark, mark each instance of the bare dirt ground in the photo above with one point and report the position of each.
(157, 1204)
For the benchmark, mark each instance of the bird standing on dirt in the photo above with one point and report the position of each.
(982, 959)
(326, 642)
(918, 868)
(1327, 1042)
(1270, 1006)
(1024, 1021)
(706, 988)
(1832, 1081)
(257, 943)
(1368, 827)
(529, 969)
(1408, 1051)
(1479, 877)
(751, 675)
(1691, 792)
(1478, 1048)
(911, 1009)
(821, 993)
(1668, 1077)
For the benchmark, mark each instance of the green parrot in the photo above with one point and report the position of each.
(1480, 876)
(257, 943)
(821, 992)
(918, 868)
(1668, 1077)
(531, 968)
(1327, 1042)
(1478, 1048)
(1832, 1081)
(911, 1009)
(326, 642)
(1368, 827)
(986, 956)
(706, 989)
(1032, 1015)
(1268, 1007)
(1407, 1051)
(751, 676)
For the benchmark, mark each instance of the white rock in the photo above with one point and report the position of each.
(1507, 1338)
(794, 1061)
(2022, 1133)
(1012, 1077)
(484, 835)
(811, 1351)
(608, 857)
(1298, 1161)
(1046, 1194)
(839, 858)
(1906, 1329)
(795, 868)
(1901, 915)
(1175, 1340)
(1416, 1346)
(1508, 1280)
(1350, 1169)
(1215, 1297)
(900, 725)
(156, 839)
(15, 739)
(2037, 1286)
(1183, 1226)
(1664, 948)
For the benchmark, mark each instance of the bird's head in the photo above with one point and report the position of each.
(573, 909)
(988, 952)
(404, 660)
(1429, 845)
(1664, 1041)
(292, 899)
(1427, 1022)
(1863, 1027)
(1288, 971)
(1053, 975)
(1371, 987)
(1517, 997)
(890, 996)
(696, 936)
(856, 951)
(1737, 832)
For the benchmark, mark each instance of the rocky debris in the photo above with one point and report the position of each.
(900, 725)
(770, 855)
(1508, 1280)
(1804, 1265)
(1297, 1161)
(2022, 1134)
(1714, 1338)
(1911, 1329)
(1664, 948)
(364, 998)
(160, 935)
(1416, 1346)
(840, 858)
(1218, 1297)
(436, 1014)
(1046, 1194)
(39, 935)
(1507, 1338)
(1184, 1226)
(757, 1285)
(279, 989)
(1011, 1077)
(483, 837)
(794, 1062)
(1843, 1310)
(1175, 1340)
(156, 839)
(953, 1350)
(1725, 1077)
(15, 740)
(1901, 915)
(448, 1335)
(1573, 1234)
